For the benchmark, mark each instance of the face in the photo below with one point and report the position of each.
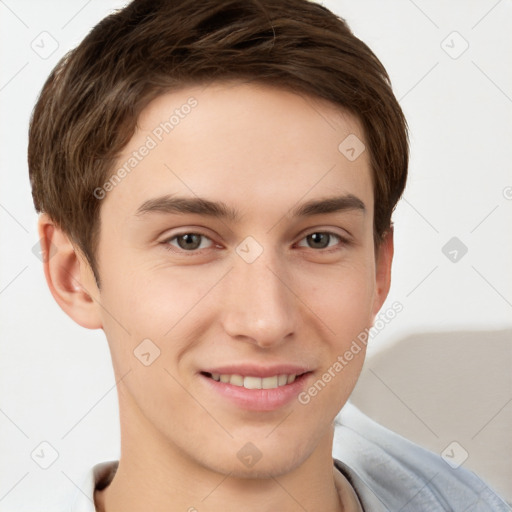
(238, 253)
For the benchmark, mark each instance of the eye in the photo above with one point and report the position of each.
(320, 240)
(189, 241)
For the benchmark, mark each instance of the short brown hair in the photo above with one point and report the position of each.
(88, 108)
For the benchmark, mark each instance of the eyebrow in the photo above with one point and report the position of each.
(170, 204)
(180, 205)
(336, 204)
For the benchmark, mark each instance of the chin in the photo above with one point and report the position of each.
(271, 461)
(261, 470)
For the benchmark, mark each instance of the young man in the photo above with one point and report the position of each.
(216, 181)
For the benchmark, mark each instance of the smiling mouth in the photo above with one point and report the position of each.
(250, 382)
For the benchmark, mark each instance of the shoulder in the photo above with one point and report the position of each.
(402, 475)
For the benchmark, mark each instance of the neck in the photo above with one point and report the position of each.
(156, 475)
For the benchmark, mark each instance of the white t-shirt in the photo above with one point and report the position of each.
(387, 473)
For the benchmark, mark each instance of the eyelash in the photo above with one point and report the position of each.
(342, 241)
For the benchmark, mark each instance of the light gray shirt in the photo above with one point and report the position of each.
(388, 473)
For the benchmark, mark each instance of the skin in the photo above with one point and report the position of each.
(262, 151)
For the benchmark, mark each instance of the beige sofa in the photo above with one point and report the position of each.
(444, 387)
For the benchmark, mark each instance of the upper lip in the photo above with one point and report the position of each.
(252, 370)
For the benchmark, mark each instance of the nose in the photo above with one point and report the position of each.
(260, 307)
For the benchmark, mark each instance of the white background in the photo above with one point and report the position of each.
(57, 383)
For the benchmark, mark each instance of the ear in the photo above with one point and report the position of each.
(383, 261)
(69, 276)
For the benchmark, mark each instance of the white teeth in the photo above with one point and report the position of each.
(248, 382)
(282, 380)
(236, 380)
(269, 382)
(251, 383)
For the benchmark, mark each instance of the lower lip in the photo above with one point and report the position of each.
(258, 399)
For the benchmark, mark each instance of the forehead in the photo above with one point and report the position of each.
(248, 144)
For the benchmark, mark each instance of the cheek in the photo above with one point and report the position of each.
(342, 297)
(342, 301)
(168, 305)
(156, 312)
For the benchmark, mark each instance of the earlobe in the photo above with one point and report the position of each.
(69, 275)
(384, 259)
